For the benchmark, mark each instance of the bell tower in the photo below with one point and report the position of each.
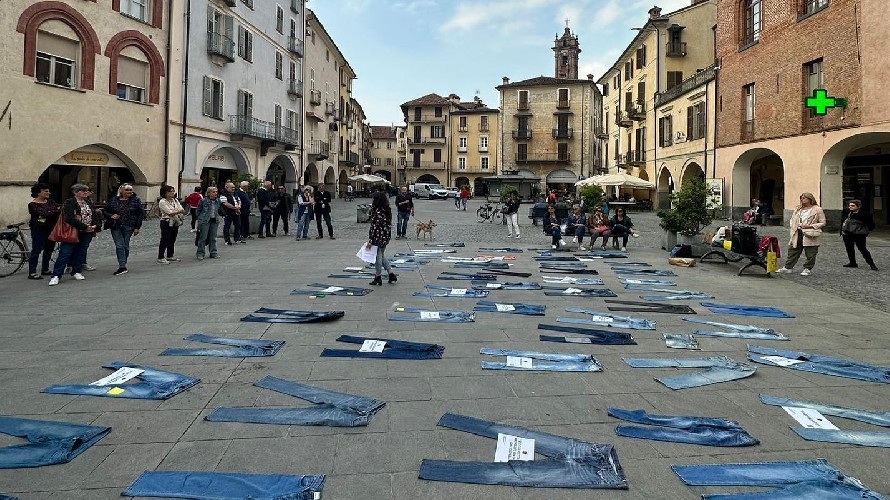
(566, 50)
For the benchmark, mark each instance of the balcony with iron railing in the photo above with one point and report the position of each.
(522, 134)
(352, 158)
(483, 128)
(483, 149)
(220, 45)
(675, 49)
(319, 149)
(295, 46)
(315, 97)
(543, 157)
(462, 128)
(562, 133)
(697, 80)
(295, 87)
(247, 126)
(637, 157)
(435, 165)
(638, 112)
(330, 108)
(562, 104)
(427, 118)
(623, 119)
(426, 140)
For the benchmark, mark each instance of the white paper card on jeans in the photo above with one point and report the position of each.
(504, 307)
(458, 291)
(519, 362)
(400, 261)
(493, 285)
(572, 290)
(120, 376)
(332, 289)
(809, 418)
(601, 319)
(429, 314)
(372, 346)
(634, 282)
(514, 448)
(579, 340)
(782, 361)
(353, 268)
(366, 254)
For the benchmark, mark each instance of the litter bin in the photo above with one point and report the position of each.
(539, 210)
(362, 213)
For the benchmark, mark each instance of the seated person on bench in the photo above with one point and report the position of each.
(551, 227)
(575, 224)
(598, 225)
(764, 210)
(622, 226)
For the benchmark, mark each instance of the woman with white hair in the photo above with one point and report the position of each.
(124, 214)
(807, 222)
(208, 222)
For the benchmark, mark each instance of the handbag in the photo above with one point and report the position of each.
(63, 232)
(602, 229)
(811, 232)
(176, 220)
(855, 227)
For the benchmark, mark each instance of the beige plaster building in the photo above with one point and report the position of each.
(387, 160)
(668, 50)
(475, 133)
(427, 121)
(81, 99)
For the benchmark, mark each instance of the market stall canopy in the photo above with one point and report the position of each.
(619, 179)
(368, 178)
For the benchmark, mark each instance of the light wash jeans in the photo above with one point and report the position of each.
(153, 384)
(243, 348)
(570, 463)
(641, 281)
(445, 291)
(704, 431)
(719, 369)
(394, 349)
(881, 418)
(449, 275)
(49, 442)
(515, 308)
(743, 310)
(571, 280)
(519, 285)
(680, 341)
(607, 319)
(826, 365)
(199, 485)
(684, 295)
(513, 224)
(543, 361)
(207, 237)
(644, 272)
(344, 290)
(502, 249)
(121, 236)
(485, 265)
(382, 262)
(557, 291)
(730, 330)
(417, 314)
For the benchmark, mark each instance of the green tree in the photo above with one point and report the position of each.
(591, 197)
(689, 212)
(506, 190)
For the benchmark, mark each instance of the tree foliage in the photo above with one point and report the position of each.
(689, 212)
(591, 197)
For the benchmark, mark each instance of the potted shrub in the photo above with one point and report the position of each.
(689, 212)
(591, 197)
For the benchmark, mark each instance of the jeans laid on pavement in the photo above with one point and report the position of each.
(596, 336)
(49, 442)
(880, 439)
(804, 479)
(291, 316)
(502, 249)
(332, 290)
(153, 384)
(518, 285)
(730, 330)
(556, 291)
(447, 291)
(644, 272)
(457, 244)
(7, 497)
(198, 485)
(542, 361)
(607, 319)
(336, 409)
(502, 272)
(817, 363)
(510, 308)
(680, 341)
(484, 265)
(584, 340)
(743, 310)
(243, 348)
(394, 349)
(705, 431)
(646, 307)
(447, 275)
(571, 280)
(546, 268)
(645, 282)
(719, 369)
(881, 418)
(607, 254)
(570, 463)
(425, 315)
(557, 258)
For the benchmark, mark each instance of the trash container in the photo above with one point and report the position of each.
(362, 213)
(539, 210)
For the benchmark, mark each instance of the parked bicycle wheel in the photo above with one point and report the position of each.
(12, 257)
(494, 215)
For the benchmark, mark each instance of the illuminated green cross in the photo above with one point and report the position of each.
(820, 102)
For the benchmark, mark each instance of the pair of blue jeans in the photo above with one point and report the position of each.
(802, 479)
(455, 244)
(729, 330)
(242, 348)
(335, 409)
(402, 222)
(483, 265)
(542, 361)
(679, 295)
(73, 255)
(199, 485)
(332, 290)
(518, 285)
(292, 316)
(448, 275)
(121, 235)
(860, 438)
(826, 365)
(646, 307)
(571, 280)
(719, 369)
(607, 319)
(570, 463)
(602, 337)
(48, 443)
(643, 272)
(608, 254)
(642, 281)
(207, 237)
(557, 291)
(744, 310)
(680, 341)
(545, 268)
(425, 315)
(881, 418)
(548, 257)
(704, 431)
(41, 249)
(511, 308)
(502, 249)
(153, 384)
(445, 291)
(302, 220)
(394, 349)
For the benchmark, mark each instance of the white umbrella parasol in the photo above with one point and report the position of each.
(370, 178)
(619, 179)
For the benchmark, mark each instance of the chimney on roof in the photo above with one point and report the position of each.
(506, 80)
(655, 12)
(590, 76)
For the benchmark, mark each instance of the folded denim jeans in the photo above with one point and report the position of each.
(447, 291)
(49, 442)
(645, 282)
(743, 310)
(518, 285)
(719, 369)
(680, 341)
(292, 316)
(502, 249)
(557, 258)
(456, 244)
(571, 280)
(608, 254)
(7, 497)
(704, 431)
(596, 336)
(650, 288)
(198, 485)
(337, 409)
(541, 361)
(394, 349)
(544, 268)
(881, 418)
(243, 348)
(480, 265)
(646, 307)
(510, 308)
(153, 384)
(643, 272)
(556, 291)
(819, 489)
(730, 330)
(817, 363)
(570, 463)
(332, 290)
(448, 275)
(607, 319)
(425, 315)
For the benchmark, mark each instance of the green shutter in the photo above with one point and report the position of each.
(208, 96)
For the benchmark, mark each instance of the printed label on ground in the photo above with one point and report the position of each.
(572, 290)
(601, 319)
(578, 340)
(519, 362)
(458, 291)
(119, 377)
(782, 361)
(809, 418)
(429, 314)
(514, 448)
(372, 346)
(505, 307)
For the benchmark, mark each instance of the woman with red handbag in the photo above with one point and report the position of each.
(598, 225)
(74, 231)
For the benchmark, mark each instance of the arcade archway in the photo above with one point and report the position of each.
(99, 166)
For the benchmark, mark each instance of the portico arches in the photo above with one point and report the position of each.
(223, 164)
(758, 173)
(310, 176)
(99, 166)
(664, 186)
(857, 167)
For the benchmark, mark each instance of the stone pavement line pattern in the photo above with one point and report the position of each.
(64, 334)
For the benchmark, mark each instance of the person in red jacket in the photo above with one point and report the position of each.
(193, 200)
(464, 196)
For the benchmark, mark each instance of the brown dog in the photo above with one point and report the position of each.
(426, 228)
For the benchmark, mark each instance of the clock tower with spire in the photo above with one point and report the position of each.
(566, 50)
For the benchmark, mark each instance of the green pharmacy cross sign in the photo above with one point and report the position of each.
(820, 102)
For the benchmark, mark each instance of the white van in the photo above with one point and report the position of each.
(429, 191)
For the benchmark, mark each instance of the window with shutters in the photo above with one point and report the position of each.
(628, 101)
(674, 78)
(665, 131)
(605, 90)
(748, 115)
(437, 155)
(562, 99)
(562, 151)
(437, 112)
(641, 95)
(628, 70)
(641, 57)
(695, 121)
(279, 63)
(279, 20)
(245, 44)
(389, 162)
(814, 80)
(137, 9)
(245, 104)
(277, 116)
(220, 33)
(132, 79)
(522, 151)
(523, 99)
(56, 60)
(293, 71)
(291, 122)
(437, 131)
(462, 124)
(213, 97)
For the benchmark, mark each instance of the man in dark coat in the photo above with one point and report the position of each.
(323, 209)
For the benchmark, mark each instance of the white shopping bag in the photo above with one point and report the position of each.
(366, 254)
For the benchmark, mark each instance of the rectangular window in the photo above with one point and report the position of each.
(277, 113)
(523, 99)
(438, 112)
(605, 90)
(749, 96)
(814, 79)
(522, 152)
(562, 151)
(462, 142)
(245, 44)
(131, 79)
(279, 20)
(483, 142)
(628, 70)
(376, 161)
(674, 79)
(388, 145)
(628, 101)
(245, 104)
(695, 121)
(248, 3)
(56, 58)
(483, 123)
(462, 124)
(291, 122)
(641, 94)
(417, 115)
(389, 162)
(751, 21)
(293, 70)
(812, 6)
(616, 81)
(665, 131)
(562, 100)
(437, 155)
(279, 62)
(437, 131)
(641, 57)
(461, 163)
(135, 8)
(484, 160)
(213, 98)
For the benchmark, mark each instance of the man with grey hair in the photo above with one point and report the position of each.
(263, 200)
(245, 211)
(231, 204)
(208, 222)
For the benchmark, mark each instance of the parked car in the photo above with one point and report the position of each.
(429, 191)
(453, 192)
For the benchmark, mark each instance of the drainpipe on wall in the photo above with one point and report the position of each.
(167, 99)
(185, 87)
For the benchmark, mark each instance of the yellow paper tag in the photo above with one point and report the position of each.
(114, 391)
(727, 244)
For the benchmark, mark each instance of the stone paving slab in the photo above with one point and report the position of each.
(65, 334)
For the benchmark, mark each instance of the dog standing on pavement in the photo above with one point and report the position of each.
(426, 228)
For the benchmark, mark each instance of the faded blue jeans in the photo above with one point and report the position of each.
(680, 341)
(394, 349)
(121, 236)
(153, 384)
(425, 315)
(736, 331)
(595, 336)
(543, 361)
(518, 285)
(243, 348)
(691, 430)
(207, 237)
(570, 463)
(643, 272)
(446, 291)
(199, 485)
(719, 369)
(571, 280)
(607, 319)
(642, 281)
(881, 418)
(512, 308)
(48, 443)
(826, 365)
(557, 291)
(336, 409)
(448, 275)
(743, 310)
(343, 290)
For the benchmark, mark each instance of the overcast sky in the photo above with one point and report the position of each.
(402, 50)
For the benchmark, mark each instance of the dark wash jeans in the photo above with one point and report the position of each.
(570, 463)
(292, 316)
(41, 249)
(518, 308)
(678, 429)
(242, 347)
(153, 384)
(394, 349)
(48, 442)
(225, 486)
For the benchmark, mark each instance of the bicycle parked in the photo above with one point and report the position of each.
(14, 250)
(489, 212)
